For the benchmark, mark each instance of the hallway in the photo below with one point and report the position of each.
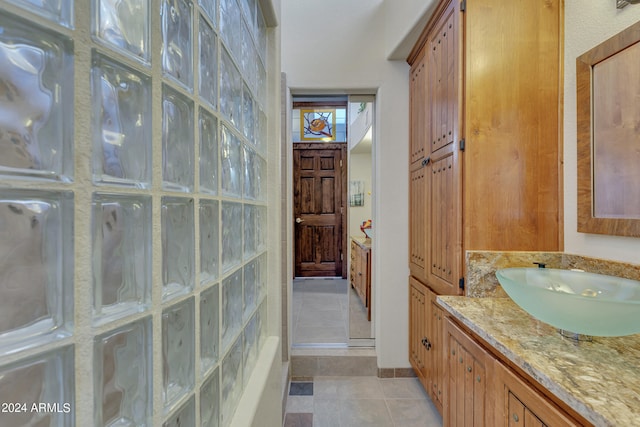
(360, 402)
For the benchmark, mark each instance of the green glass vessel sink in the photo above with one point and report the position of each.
(576, 301)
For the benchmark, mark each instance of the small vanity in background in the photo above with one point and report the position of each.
(360, 274)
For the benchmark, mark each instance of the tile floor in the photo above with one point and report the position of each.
(327, 311)
(360, 402)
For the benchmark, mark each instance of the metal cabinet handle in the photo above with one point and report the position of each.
(299, 220)
(515, 417)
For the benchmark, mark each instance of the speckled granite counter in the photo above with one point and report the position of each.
(600, 380)
(362, 241)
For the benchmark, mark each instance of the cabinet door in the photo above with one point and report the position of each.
(438, 357)
(353, 264)
(418, 221)
(443, 79)
(519, 405)
(466, 401)
(513, 121)
(445, 236)
(418, 347)
(418, 109)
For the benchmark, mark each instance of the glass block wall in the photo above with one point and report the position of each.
(133, 205)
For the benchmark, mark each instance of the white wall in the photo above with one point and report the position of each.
(344, 48)
(360, 170)
(405, 20)
(586, 25)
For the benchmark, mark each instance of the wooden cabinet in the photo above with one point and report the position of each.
(485, 154)
(490, 177)
(519, 405)
(360, 274)
(483, 391)
(426, 345)
(469, 367)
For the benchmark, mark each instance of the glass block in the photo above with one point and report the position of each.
(178, 352)
(177, 141)
(45, 378)
(261, 131)
(261, 33)
(121, 110)
(230, 22)
(208, 78)
(36, 102)
(123, 391)
(250, 290)
(261, 228)
(36, 268)
(248, 115)
(250, 348)
(124, 26)
(57, 11)
(249, 12)
(210, 8)
(231, 163)
(231, 235)
(184, 417)
(250, 179)
(178, 250)
(259, 178)
(210, 401)
(208, 152)
(209, 327)
(121, 255)
(177, 44)
(250, 243)
(261, 83)
(231, 381)
(261, 319)
(246, 52)
(231, 306)
(230, 89)
(261, 277)
(209, 240)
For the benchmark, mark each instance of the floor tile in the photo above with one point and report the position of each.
(364, 413)
(326, 412)
(414, 413)
(298, 420)
(402, 388)
(299, 404)
(301, 389)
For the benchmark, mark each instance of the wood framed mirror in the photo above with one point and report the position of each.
(608, 116)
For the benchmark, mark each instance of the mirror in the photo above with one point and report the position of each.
(361, 146)
(608, 119)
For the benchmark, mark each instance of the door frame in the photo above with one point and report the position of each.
(342, 146)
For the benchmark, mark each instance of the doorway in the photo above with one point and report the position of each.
(326, 309)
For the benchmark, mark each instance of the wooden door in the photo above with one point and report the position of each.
(519, 405)
(469, 367)
(319, 198)
(418, 221)
(418, 109)
(513, 161)
(445, 267)
(418, 340)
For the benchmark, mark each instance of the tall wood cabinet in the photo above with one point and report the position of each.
(485, 141)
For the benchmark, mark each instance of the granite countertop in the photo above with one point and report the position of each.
(600, 380)
(362, 241)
